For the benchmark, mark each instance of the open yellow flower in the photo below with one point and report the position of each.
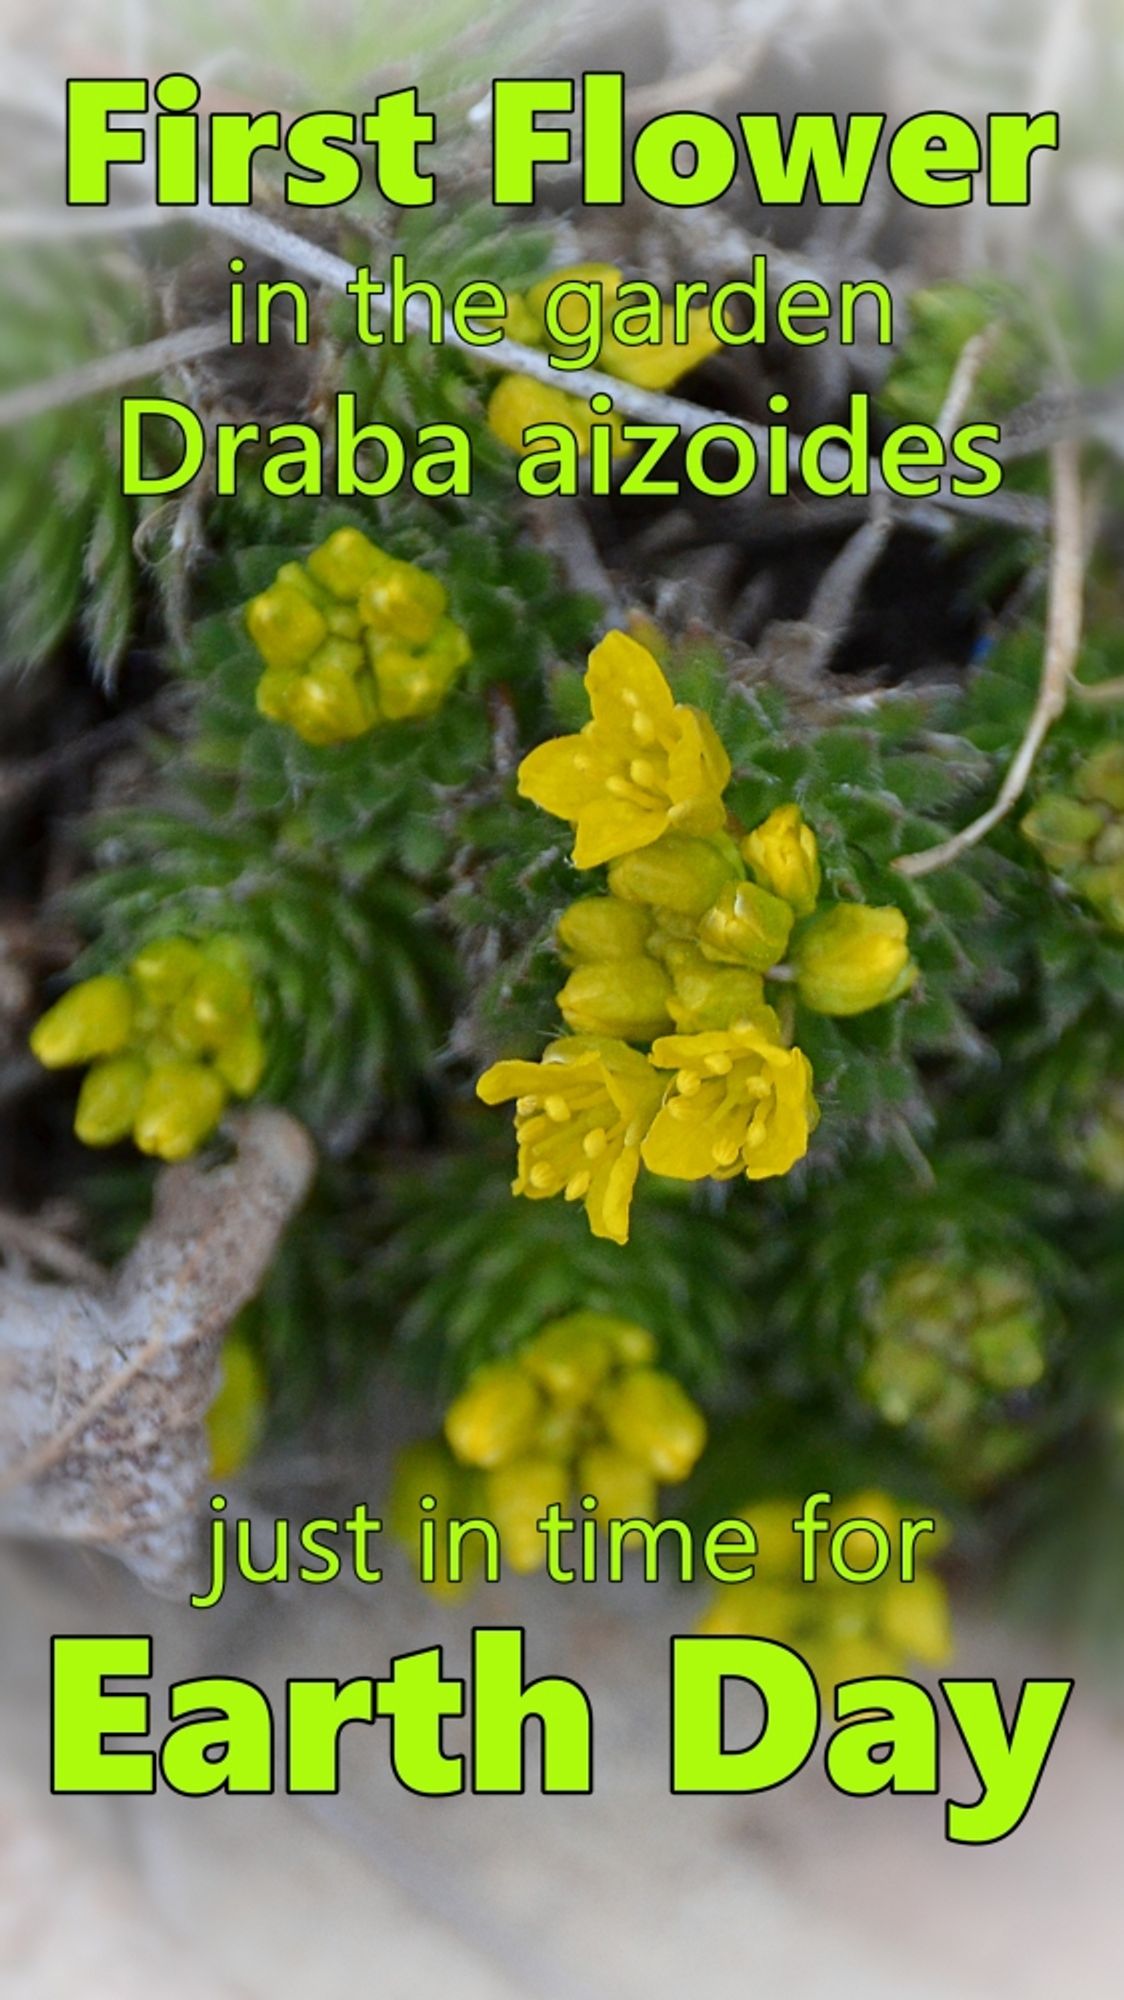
(644, 763)
(580, 1116)
(740, 1103)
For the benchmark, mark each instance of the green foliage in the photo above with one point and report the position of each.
(472, 1274)
(66, 532)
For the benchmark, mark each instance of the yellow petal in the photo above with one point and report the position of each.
(560, 776)
(623, 681)
(610, 827)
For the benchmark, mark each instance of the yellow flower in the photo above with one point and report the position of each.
(517, 403)
(783, 855)
(648, 1415)
(580, 1117)
(740, 1103)
(644, 764)
(747, 926)
(236, 1418)
(625, 997)
(851, 957)
(495, 1416)
(652, 364)
(93, 1019)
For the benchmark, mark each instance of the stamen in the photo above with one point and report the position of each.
(718, 1065)
(595, 1142)
(577, 1187)
(557, 1109)
(544, 1177)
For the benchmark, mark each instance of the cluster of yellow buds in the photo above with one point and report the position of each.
(946, 1339)
(1080, 833)
(675, 957)
(353, 638)
(580, 1410)
(844, 1630)
(169, 1041)
(517, 401)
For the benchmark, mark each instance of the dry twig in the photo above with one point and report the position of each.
(1063, 642)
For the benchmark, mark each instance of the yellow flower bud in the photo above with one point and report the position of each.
(109, 1100)
(520, 323)
(180, 1106)
(626, 997)
(1101, 777)
(216, 1007)
(236, 1418)
(653, 1419)
(783, 855)
(404, 602)
(708, 996)
(343, 656)
(329, 707)
(623, 1488)
(495, 1416)
(746, 926)
(346, 561)
(273, 693)
(571, 1357)
(677, 872)
(165, 969)
(412, 684)
(93, 1019)
(1103, 885)
(516, 1496)
(240, 1060)
(1063, 829)
(633, 1345)
(851, 957)
(597, 928)
(285, 626)
(571, 311)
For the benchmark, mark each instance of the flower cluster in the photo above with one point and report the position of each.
(675, 957)
(353, 638)
(581, 1410)
(1080, 833)
(517, 401)
(845, 1630)
(947, 1343)
(169, 1042)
